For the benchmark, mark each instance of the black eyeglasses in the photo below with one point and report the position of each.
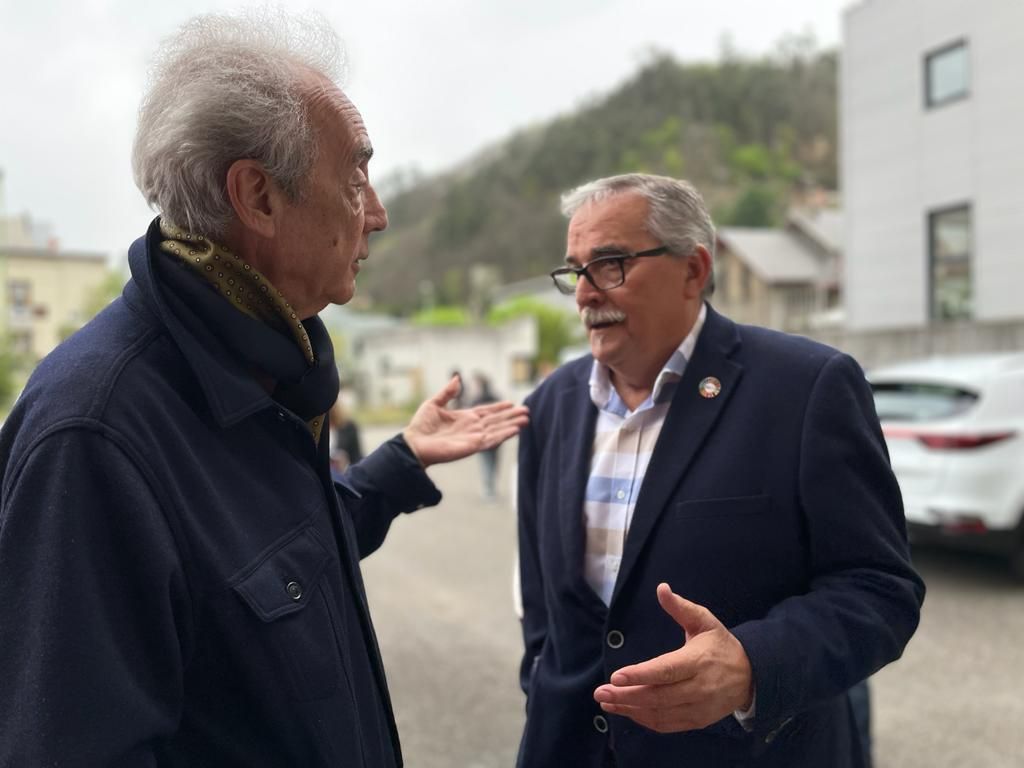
(604, 272)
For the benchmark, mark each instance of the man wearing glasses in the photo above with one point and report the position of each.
(712, 543)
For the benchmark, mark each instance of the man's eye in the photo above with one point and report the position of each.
(606, 265)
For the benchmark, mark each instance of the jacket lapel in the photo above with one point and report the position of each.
(688, 423)
(577, 417)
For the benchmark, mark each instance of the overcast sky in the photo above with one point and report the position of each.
(436, 80)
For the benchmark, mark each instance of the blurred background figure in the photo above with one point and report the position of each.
(346, 448)
(860, 701)
(459, 401)
(482, 395)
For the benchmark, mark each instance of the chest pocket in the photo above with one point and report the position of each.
(290, 596)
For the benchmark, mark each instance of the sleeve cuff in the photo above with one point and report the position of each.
(745, 717)
(394, 470)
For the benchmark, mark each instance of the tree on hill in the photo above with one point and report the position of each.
(749, 132)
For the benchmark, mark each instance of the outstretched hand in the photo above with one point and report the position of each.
(437, 435)
(705, 680)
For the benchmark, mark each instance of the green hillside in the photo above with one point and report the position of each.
(752, 134)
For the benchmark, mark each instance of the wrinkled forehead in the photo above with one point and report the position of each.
(336, 113)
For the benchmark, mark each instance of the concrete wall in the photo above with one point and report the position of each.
(900, 160)
(874, 348)
(404, 365)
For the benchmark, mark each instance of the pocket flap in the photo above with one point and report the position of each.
(284, 582)
(725, 507)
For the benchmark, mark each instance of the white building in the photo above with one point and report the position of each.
(405, 364)
(932, 120)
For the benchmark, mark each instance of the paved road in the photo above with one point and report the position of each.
(956, 698)
(440, 590)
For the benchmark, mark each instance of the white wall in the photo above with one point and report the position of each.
(900, 160)
(399, 365)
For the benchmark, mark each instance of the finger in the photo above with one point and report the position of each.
(518, 416)
(489, 409)
(650, 696)
(693, 618)
(673, 667)
(494, 438)
(448, 391)
(686, 717)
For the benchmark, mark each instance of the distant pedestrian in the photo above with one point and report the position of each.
(459, 401)
(489, 458)
(346, 448)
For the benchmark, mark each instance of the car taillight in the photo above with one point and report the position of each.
(964, 525)
(959, 442)
(964, 441)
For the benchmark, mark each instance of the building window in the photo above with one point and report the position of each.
(21, 343)
(949, 249)
(946, 74)
(19, 295)
(800, 301)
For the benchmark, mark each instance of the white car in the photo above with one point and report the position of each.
(955, 431)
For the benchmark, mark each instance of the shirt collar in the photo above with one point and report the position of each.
(604, 396)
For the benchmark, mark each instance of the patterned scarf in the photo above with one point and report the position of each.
(297, 354)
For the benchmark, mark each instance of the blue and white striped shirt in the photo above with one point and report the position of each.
(623, 444)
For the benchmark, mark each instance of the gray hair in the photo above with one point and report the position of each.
(227, 88)
(677, 215)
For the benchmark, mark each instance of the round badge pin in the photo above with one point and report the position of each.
(709, 387)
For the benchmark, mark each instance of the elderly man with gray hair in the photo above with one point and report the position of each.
(712, 544)
(182, 569)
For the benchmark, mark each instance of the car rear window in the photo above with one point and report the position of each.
(920, 402)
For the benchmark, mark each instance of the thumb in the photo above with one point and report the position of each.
(448, 391)
(693, 618)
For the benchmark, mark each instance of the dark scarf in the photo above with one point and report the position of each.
(305, 377)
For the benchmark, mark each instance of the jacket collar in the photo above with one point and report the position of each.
(231, 391)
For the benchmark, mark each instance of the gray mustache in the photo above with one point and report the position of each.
(592, 317)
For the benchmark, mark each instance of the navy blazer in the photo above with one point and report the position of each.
(772, 504)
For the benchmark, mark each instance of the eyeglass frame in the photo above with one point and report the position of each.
(584, 270)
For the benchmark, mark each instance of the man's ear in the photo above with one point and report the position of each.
(254, 196)
(698, 271)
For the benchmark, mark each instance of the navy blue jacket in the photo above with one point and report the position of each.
(772, 504)
(181, 574)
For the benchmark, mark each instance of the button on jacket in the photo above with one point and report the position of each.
(181, 574)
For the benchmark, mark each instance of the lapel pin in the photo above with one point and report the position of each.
(709, 387)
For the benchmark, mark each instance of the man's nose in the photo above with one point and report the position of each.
(376, 216)
(586, 294)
